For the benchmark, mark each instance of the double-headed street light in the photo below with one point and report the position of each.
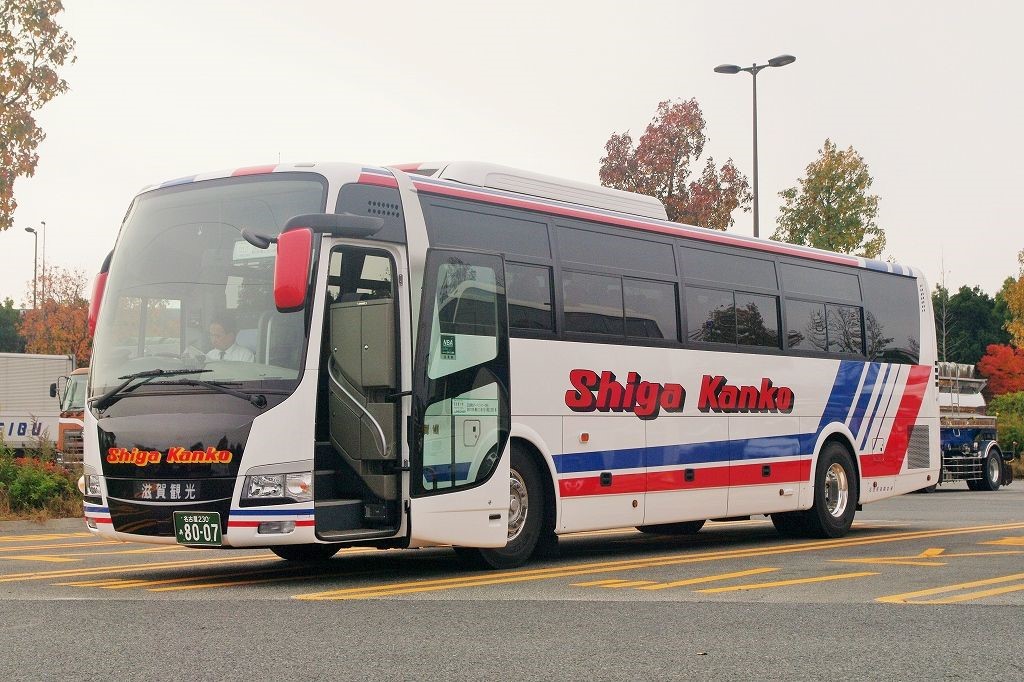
(781, 60)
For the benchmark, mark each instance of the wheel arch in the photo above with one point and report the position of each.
(530, 443)
(837, 433)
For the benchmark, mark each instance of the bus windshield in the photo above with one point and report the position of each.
(186, 291)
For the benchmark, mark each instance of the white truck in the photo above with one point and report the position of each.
(28, 411)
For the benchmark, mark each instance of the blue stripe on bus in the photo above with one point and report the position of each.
(97, 510)
(874, 412)
(843, 390)
(865, 397)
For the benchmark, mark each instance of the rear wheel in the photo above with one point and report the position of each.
(993, 471)
(526, 512)
(306, 552)
(835, 494)
(682, 528)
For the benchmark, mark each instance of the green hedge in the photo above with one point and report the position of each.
(32, 485)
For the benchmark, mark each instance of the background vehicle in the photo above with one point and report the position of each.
(485, 357)
(27, 409)
(970, 451)
(70, 393)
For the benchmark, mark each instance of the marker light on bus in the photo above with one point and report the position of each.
(89, 485)
(297, 487)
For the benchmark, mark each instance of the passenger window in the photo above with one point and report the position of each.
(891, 320)
(845, 334)
(710, 315)
(739, 271)
(651, 309)
(529, 297)
(805, 322)
(593, 303)
(615, 251)
(799, 279)
(757, 320)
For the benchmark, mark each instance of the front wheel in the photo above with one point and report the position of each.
(525, 514)
(835, 494)
(314, 552)
(993, 471)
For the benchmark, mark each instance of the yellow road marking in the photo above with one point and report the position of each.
(707, 579)
(784, 583)
(41, 557)
(40, 537)
(100, 570)
(386, 590)
(1016, 542)
(934, 551)
(912, 560)
(906, 597)
(970, 596)
(629, 583)
(60, 546)
(598, 583)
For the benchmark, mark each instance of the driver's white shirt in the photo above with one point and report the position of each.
(234, 353)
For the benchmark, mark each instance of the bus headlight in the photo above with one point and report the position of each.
(89, 485)
(297, 487)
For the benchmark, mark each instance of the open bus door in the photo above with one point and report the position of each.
(460, 471)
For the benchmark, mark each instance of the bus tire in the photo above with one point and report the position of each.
(681, 528)
(313, 552)
(526, 514)
(835, 493)
(790, 524)
(993, 476)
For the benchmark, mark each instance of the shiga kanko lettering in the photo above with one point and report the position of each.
(718, 395)
(604, 393)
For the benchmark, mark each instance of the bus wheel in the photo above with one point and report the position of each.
(993, 471)
(526, 512)
(306, 552)
(835, 494)
(683, 528)
(790, 524)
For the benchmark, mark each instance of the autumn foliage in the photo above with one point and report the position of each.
(1003, 366)
(60, 323)
(1015, 303)
(33, 45)
(664, 161)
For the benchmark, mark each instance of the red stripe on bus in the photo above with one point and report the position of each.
(890, 460)
(252, 170)
(255, 524)
(591, 485)
(374, 179)
(789, 471)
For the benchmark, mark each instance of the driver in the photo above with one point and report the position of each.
(222, 335)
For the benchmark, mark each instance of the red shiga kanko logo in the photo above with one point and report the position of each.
(602, 392)
(718, 395)
(175, 455)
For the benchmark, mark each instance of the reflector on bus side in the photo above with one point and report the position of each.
(291, 270)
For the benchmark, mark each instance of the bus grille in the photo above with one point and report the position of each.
(918, 448)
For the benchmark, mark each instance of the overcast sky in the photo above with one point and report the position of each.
(924, 91)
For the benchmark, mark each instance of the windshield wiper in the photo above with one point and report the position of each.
(257, 399)
(114, 394)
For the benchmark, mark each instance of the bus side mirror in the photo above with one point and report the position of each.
(291, 269)
(53, 390)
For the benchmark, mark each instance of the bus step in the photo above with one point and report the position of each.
(332, 515)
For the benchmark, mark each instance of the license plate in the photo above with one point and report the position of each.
(197, 528)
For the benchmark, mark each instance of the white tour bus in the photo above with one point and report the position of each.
(311, 356)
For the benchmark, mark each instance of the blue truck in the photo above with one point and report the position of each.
(970, 449)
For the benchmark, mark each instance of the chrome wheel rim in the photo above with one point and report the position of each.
(994, 470)
(837, 490)
(519, 505)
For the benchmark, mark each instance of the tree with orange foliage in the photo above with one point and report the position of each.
(1015, 303)
(1003, 366)
(60, 324)
(663, 161)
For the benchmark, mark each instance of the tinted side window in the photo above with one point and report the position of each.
(844, 329)
(464, 228)
(710, 315)
(593, 303)
(740, 271)
(529, 297)
(892, 318)
(614, 251)
(805, 325)
(651, 309)
(757, 320)
(799, 279)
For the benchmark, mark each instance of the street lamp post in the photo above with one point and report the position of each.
(43, 223)
(35, 263)
(781, 60)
